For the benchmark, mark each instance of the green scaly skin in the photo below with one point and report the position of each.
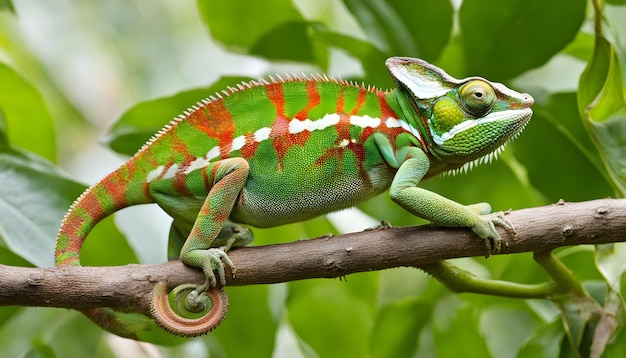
(274, 152)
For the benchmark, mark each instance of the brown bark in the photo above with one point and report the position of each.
(129, 287)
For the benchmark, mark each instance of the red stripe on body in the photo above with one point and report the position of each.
(216, 121)
(344, 141)
(179, 180)
(179, 183)
(145, 187)
(280, 127)
(177, 148)
(360, 100)
(205, 179)
(386, 111)
(282, 139)
(314, 100)
(248, 149)
(343, 126)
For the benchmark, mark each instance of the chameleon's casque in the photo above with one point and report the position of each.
(273, 152)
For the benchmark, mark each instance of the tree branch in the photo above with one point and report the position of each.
(129, 287)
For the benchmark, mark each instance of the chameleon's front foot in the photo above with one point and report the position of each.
(485, 227)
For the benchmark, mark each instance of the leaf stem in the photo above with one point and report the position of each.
(562, 276)
(597, 21)
(459, 280)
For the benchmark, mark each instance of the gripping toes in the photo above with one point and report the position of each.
(485, 228)
(216, 260)
(205, 299)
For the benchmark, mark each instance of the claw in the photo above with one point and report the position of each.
(489, 246)
(486, 230)
(505, 224)
(217, 259)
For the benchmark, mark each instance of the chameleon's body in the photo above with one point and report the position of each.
(271, 153)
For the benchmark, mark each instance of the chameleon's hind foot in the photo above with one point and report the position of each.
(214, 261)
(198, 308)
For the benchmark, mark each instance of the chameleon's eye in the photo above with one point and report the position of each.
(477, 97)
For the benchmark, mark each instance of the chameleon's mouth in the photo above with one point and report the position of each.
(461, 148)
(521, 116)
(493, 154)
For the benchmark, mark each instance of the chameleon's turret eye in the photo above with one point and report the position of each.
(477, 97)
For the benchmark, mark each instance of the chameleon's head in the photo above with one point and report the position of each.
(461, 120)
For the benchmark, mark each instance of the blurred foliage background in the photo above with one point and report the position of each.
(78, 76)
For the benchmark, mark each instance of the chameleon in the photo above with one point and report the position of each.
(283, 150)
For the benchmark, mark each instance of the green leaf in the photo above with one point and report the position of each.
(40, 350)
(580, 321)
(247, 304)
(343, 310)
(34, 197)
(602, 105)
(28, 122)
(139, 123)
(593, 78)
(572, 256)
(611, 261)
(545, 342)
(506, 328)
(8, 257)
(609, 98)
(36, 328)
(617, 346)
(372, 59)
(611, 140)
(399, 325)
(7, 5)
(581, 47)
(272, 44)
(503, 39)
(392, 26)
(106, 246)
(557, 136)
(431, 33)
(7, 312)
(240, 26)
(452, 338)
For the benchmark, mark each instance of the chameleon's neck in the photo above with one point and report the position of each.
(408, 110)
